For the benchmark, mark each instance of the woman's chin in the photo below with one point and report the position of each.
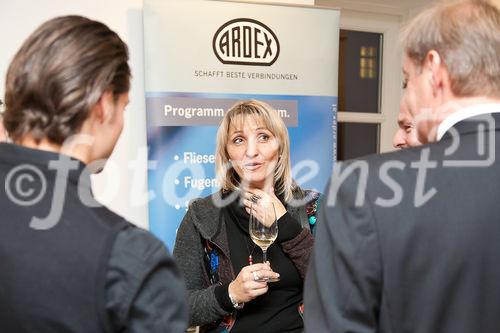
(259, 183)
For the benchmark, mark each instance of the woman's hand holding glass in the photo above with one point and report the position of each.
(262, 225)
(253, 196)
(247, 284)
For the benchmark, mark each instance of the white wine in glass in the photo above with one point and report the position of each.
(263, 228)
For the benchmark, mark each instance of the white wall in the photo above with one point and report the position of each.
(18, 18)
(295, 2)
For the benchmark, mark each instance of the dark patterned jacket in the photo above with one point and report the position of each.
(202, 253)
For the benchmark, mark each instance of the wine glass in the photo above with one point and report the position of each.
(263, 228)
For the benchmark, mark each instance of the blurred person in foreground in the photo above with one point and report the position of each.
(221, 264)
(408, 241)
(3, 133)
(69, 264)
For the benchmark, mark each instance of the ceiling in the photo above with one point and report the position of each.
(382, 6)
(399, 3)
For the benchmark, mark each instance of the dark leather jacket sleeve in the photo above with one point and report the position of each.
(144, 288)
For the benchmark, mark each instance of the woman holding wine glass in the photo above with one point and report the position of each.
(231, 287)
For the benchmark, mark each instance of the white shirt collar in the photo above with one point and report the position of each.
(464, 113)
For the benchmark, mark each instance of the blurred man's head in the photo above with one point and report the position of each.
(451, 54)
(3, 133)
(406, 135)
(69, 77)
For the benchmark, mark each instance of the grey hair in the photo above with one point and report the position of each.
(466, 35)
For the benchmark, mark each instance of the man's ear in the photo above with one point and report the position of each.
(104, 108)
(439, 75)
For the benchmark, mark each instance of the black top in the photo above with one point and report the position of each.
(277, 310)
(90, 271)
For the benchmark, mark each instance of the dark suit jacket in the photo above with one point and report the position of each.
(428, 264)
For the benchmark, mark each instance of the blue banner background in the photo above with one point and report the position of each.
(313, 139)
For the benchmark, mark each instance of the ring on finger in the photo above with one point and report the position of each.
(254, 198)
(256, 276)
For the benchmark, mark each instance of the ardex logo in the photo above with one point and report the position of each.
(245, 41)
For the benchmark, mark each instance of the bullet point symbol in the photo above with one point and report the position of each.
(176, 157)
(177, 207)
(176, 182)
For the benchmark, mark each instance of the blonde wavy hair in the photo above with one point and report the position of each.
(266, 115)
